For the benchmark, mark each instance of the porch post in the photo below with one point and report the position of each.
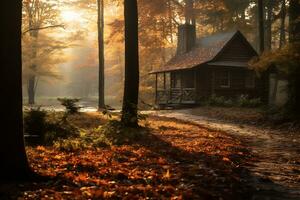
(156, 79)
(165, 81)
(170, 89)
(195, 85)
(213, 82)
(181, 87)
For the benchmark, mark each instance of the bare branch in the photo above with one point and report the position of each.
(42, 28)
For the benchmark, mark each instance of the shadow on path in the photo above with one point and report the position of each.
(275, 173)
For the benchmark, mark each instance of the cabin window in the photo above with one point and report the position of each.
(250, 80)
(223, 79)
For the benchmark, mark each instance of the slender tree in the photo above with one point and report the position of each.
(268, 23)
(14, 163)
(100, 5)
(261, 32)
(282, 24)
(131, 89)
(38, 15)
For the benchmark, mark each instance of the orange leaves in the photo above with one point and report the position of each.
(161, 161)
(58, 157)
(226, 159)
(82, 177)
(180, 161)
(167, 175)
(40, 148)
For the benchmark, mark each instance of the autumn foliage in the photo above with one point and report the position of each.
(173, 160)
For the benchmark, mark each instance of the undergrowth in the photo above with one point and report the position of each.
(240, 101)
(112, 133)
(48, 126)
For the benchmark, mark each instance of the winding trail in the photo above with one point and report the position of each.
(276, 170)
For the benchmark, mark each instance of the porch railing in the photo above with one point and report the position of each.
(176, 96)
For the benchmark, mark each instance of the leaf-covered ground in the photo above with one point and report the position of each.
(174, 160)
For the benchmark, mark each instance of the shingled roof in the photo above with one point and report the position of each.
(206, 50)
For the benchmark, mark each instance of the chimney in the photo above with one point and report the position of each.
(186, 38)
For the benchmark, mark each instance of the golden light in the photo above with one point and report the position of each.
(70, 16)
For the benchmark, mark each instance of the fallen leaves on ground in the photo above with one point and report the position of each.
(176, 160)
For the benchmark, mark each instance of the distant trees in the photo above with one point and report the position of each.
(37, 16)
(131, 89)
(98, 6)
(287, 58)
(14, 163)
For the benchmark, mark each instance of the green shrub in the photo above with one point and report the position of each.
(58, 127)
(35, 122)
(70, 145)
(241, 101)
(115, 133)
(70, 105)
(245, 101)
(48, 126)
(112, 133)
(219, 101)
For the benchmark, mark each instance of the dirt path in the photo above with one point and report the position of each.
(277, 167)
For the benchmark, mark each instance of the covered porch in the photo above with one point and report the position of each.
(177, 87)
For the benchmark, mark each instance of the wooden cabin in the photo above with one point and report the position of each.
(214, 65)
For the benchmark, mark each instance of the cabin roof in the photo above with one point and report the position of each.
(206, 50)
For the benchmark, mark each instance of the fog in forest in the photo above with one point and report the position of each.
(63, 57)
(61, 45)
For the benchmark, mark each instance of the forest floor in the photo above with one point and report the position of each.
(180, 155)
(173, 160)
(276, 148)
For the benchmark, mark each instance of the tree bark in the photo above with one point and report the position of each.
(261, 31)
(101, 101)
(282, 24)
(131, 89)
(294, 14)
(31, 88)
(14, 163)
(269, 20)
(294, 39)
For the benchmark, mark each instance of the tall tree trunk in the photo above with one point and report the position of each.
(31, 89)
(261, 31)
(294, 39)
(294, 13)
(170, 18)
(101, 102)
(269, 20)
(282, 24)
(14, 163)
(131, 89)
